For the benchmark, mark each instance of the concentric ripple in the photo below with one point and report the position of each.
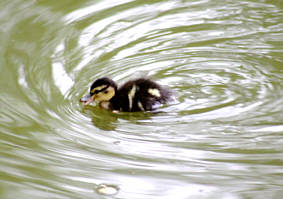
(212, 60)
(220, 138)
(168, 45)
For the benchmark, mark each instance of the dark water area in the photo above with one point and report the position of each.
(222, 137)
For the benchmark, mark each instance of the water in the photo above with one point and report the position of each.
(223, 138)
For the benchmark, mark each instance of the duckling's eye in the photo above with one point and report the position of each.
(106, 92)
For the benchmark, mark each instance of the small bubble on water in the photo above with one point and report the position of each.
(105, 189)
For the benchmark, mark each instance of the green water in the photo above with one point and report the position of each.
(222, 138)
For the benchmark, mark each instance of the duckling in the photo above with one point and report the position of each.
(135, 95)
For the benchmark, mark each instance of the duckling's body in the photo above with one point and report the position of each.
(136, 95)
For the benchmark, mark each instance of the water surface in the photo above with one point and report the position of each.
(222, 138)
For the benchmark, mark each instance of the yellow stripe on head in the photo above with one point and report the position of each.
(98, 88)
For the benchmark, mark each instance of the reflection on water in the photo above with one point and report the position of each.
(222, 138)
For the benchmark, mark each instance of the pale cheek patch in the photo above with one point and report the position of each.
(154, 92)
(104, 96)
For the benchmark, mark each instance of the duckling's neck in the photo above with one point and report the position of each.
(115, 102)
(109, 105)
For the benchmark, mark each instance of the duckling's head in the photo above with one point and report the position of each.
(101, 90)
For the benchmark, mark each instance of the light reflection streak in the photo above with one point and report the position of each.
(61, 79)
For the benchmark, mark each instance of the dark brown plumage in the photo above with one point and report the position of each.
(135, 95)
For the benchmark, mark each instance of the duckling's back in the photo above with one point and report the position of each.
(140, 95)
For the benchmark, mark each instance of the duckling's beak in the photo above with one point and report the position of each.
(86, 99)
